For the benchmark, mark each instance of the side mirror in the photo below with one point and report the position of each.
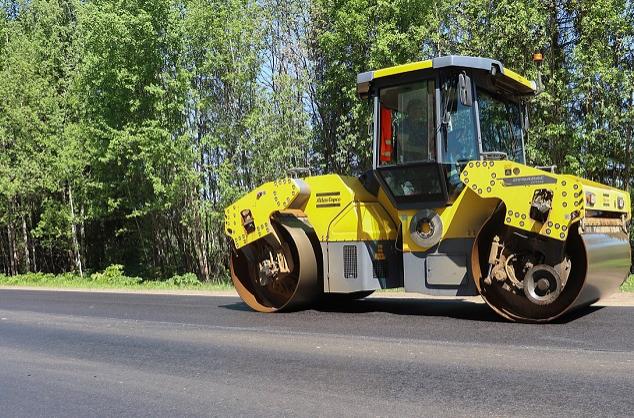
(464, 89)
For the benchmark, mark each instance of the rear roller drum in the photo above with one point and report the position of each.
(279, 272)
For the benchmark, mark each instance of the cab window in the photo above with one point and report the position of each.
(406, 124)
(460, 141)
(500, 126)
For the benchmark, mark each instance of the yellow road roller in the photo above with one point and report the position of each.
(450, 207)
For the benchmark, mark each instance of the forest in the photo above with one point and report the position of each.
(126, 127)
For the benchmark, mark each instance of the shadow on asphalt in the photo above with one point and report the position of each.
(457, 309)
(577, 314)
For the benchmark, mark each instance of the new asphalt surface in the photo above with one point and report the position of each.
(105, 354)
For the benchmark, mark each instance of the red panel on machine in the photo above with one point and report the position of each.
(386, 135)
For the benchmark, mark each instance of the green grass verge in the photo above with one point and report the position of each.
(628, 286)
(112, 278)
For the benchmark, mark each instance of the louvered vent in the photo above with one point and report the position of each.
(350, 261)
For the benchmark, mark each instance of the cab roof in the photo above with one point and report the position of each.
(512, 79)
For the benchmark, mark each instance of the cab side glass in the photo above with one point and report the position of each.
(460, 144)
(407, 124)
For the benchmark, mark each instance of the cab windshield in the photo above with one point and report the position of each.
(500, 126)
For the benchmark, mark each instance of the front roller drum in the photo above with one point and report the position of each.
(599, 263)
(290, 280)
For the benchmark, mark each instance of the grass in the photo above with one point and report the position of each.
(628, 286)
(112, 278)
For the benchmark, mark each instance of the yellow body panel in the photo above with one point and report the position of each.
(515, 184)
(520, 79)
(427, 64)
(262, 203)
(329, 196)
(462, 219)
(405, 68)
(340, 209)
(607, 197)
(362, 221)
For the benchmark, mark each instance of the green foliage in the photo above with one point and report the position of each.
(184, 280)
(628, 286)
(37, 279)
(114, 275)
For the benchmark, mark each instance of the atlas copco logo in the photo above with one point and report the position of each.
(328, 199)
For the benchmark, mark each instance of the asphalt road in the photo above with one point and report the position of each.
(103, 354)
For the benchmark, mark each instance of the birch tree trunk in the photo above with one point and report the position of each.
(82, 236)
(33, 255)
(200, 245)
(27, 252)
(13, 251)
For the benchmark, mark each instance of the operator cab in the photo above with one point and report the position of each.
(432, 117)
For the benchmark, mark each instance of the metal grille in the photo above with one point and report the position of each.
(350, 261)
(379, 269)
